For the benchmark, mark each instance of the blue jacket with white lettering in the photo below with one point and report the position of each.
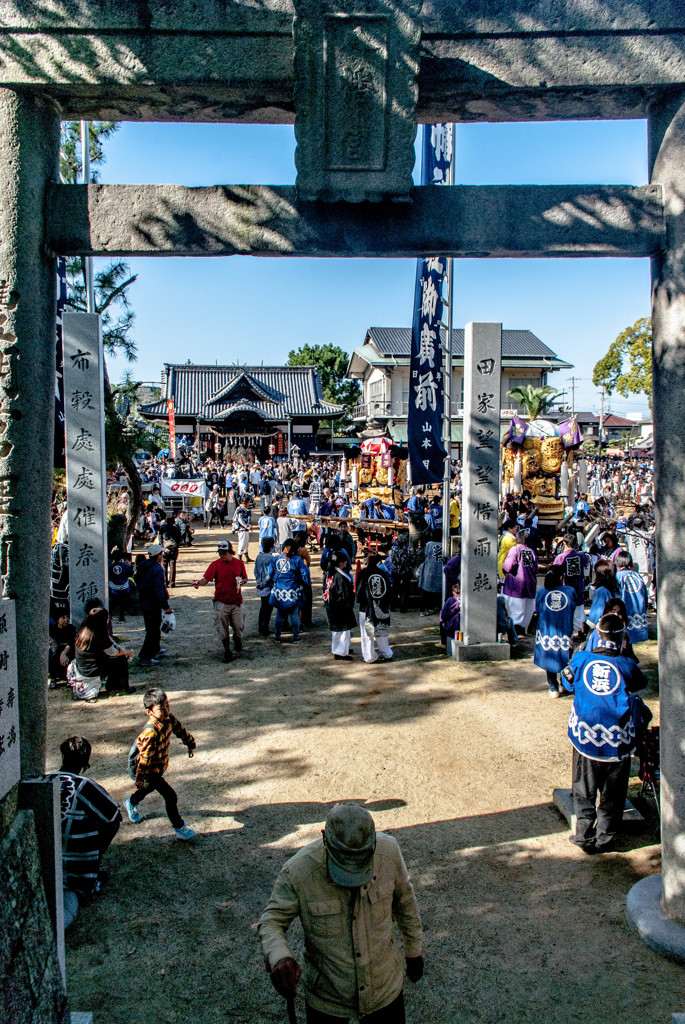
(607, 718)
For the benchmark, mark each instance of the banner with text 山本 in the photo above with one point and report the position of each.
(426, 386)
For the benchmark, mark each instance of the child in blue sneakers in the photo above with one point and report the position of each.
(153, 760)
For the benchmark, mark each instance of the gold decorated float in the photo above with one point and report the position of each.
(377, 471)
(538, 457)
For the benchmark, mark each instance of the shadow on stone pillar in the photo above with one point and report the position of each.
(656, 905)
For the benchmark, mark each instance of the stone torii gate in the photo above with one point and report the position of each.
(358, 74)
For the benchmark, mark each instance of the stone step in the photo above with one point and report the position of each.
(563, 801)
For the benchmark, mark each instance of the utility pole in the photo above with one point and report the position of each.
(573, 396)
(447, 397)
(601, 425)
(85, 169)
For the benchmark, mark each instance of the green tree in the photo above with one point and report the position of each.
(331, 362)
(627, 366)
(534, 400)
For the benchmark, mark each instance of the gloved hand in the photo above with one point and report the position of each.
(414, 967)
(285, 975)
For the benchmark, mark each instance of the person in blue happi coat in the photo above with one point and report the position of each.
(555, 605)
(434, 513)
(288, 575)
(607, 721)
(605, 588)
(375, 509)
(633, 593)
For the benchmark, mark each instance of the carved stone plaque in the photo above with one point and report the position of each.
(356, 63)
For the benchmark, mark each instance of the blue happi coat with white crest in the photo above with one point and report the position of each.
(607, 717)
(633, 593)
(555, 610)
(288, 575)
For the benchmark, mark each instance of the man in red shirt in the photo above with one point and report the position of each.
(228, 574)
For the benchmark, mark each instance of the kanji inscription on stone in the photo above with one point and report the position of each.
(9, 700)
(84, 435)
(356, 67)
(480, 481)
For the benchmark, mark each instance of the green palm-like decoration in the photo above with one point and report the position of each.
(534, 400)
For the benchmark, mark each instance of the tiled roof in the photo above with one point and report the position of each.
(396, 341)
(213, 392)
(611, 420)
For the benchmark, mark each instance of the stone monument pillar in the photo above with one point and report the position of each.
(84, 415)
(656, 905)
(480, 495)
(29, 159)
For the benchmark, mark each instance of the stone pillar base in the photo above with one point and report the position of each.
(646, 915)
(479, 652)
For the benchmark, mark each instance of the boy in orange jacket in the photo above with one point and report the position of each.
(153, 760)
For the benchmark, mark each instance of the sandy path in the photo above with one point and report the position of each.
(458, 763)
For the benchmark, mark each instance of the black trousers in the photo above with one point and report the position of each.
(117, 674)
(118, 603)
(153, 634)
(609, 779)
(307, 601)
(393, 1013)
(264, 615)
(160, 785)
(401, 591)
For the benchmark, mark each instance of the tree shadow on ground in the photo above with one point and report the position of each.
(519, 926)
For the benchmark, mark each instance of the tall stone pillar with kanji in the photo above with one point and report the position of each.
(480, 494)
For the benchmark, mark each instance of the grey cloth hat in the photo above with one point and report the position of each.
(223, 546)
(154, 550)
(350, 840)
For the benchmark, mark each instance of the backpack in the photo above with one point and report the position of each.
(133, 756)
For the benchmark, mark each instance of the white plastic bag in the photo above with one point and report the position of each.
(83, 687)
(168, 622)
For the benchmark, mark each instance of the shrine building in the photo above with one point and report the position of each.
(248, 407)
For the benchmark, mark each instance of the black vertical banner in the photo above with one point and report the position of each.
(61, 295)
(426, 386)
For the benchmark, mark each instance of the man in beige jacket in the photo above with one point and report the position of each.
(346, 888)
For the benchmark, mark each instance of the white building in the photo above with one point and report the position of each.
(382, 363)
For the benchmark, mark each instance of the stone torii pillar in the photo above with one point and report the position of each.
(29, 159)
(656, 905)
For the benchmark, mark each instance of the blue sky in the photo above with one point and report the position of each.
(253, 310)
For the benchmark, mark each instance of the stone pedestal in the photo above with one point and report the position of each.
(480, 652)
(42, 796)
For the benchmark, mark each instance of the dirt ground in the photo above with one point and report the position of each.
(457, 762)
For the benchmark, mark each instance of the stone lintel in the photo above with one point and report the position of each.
(209, 61)
(261, 220)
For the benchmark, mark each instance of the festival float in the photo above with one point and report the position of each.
(538, 457)
(378, 469)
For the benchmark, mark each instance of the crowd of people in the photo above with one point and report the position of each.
(582, 594)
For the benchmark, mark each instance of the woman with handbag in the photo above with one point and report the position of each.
(98, 657)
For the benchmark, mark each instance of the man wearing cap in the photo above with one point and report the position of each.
(228, 574)
(154, 599)
(346, 888)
